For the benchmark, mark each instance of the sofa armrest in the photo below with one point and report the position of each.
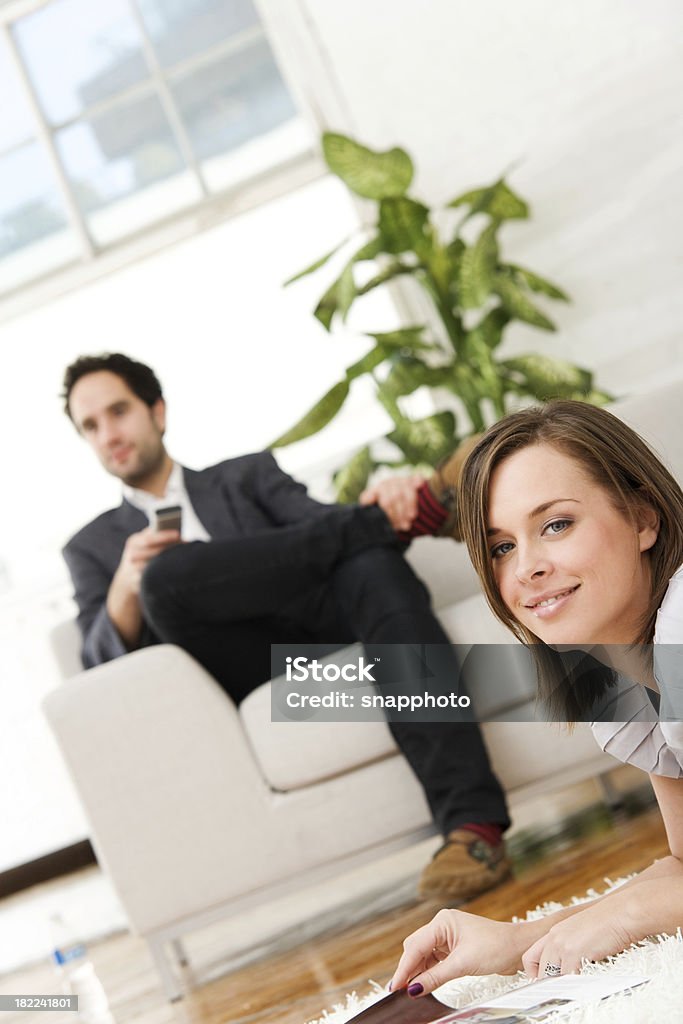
(66, 642)
(168, 782)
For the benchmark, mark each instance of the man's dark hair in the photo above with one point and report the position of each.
(141, 380)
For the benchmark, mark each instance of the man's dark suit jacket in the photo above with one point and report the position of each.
(235, 498)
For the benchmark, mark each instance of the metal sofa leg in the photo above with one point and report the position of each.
(180, 952)
(168, 978)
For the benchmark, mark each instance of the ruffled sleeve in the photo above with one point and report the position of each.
(642, 738)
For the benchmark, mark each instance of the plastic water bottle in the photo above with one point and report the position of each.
(78, 975)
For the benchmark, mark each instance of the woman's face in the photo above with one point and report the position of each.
(569, 566)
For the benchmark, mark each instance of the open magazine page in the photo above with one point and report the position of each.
(534, 1002)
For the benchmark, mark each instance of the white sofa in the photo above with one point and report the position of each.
(199, 809)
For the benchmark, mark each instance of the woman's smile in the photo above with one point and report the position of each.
(548, 605)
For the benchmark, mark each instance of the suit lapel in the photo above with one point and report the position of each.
(129, 519)
(120, 523)
(208, 501)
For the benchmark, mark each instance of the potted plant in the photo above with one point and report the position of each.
(474, 293)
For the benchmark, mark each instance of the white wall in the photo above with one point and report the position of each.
(583, 98)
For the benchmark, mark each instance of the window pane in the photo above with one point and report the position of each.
(78, 52)
(183, 28)
(16, 122)
(125, 168)
(34, 231)
(231, 103)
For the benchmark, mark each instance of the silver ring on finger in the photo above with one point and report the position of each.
(552, 970)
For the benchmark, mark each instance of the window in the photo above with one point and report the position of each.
(119, 114)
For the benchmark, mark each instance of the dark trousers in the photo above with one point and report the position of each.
(334, 579)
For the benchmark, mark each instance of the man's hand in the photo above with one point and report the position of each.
(139, 549)
(123, 604)
(397, 497)
(456, 943)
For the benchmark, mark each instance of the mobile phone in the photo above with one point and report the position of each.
(168, 518)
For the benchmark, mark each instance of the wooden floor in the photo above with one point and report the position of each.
(296, 986)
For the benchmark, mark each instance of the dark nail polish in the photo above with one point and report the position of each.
(416, 989)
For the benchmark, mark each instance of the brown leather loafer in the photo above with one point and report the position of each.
(464, 867)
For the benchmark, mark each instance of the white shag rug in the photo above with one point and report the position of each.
(660, 1001)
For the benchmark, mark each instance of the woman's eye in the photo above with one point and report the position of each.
(501, 549)
(558, 525)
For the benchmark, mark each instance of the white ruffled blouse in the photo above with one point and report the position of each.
(640, 738)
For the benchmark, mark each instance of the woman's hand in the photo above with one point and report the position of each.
(645, 906)
(600, 930)
(456, 943)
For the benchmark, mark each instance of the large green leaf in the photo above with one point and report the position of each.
(478, 269)
(403, 225)
(370, 174)
(327, 305)
(454, 253)
(369, 251)
(427, 440)
(316, 418)
(485, 373)
(498, 200)
(408, 374)
(537, 283)
(490, 328)
(317, 265)
(465, 384)
(409, 338)
(519, 305)
(370, 361)
(338, 298)
(455, 250)
(598, 397)
(546, 378)
(440, 266)
(351, 479)
(346, 291)
(394, 269)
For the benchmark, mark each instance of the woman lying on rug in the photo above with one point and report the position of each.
(576, 531)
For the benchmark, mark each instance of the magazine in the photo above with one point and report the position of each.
(533, 1002)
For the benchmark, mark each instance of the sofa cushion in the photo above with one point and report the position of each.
(295, 754)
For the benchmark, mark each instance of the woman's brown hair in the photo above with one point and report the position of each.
(616, 459)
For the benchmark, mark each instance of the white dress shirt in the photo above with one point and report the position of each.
(176, 494)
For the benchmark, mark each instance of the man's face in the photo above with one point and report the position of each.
(125, 433)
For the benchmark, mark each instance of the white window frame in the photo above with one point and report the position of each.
(289, 33)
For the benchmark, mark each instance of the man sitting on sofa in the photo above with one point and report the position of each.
(261, 562)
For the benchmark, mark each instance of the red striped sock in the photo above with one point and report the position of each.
(493, 834)
(431, 515)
